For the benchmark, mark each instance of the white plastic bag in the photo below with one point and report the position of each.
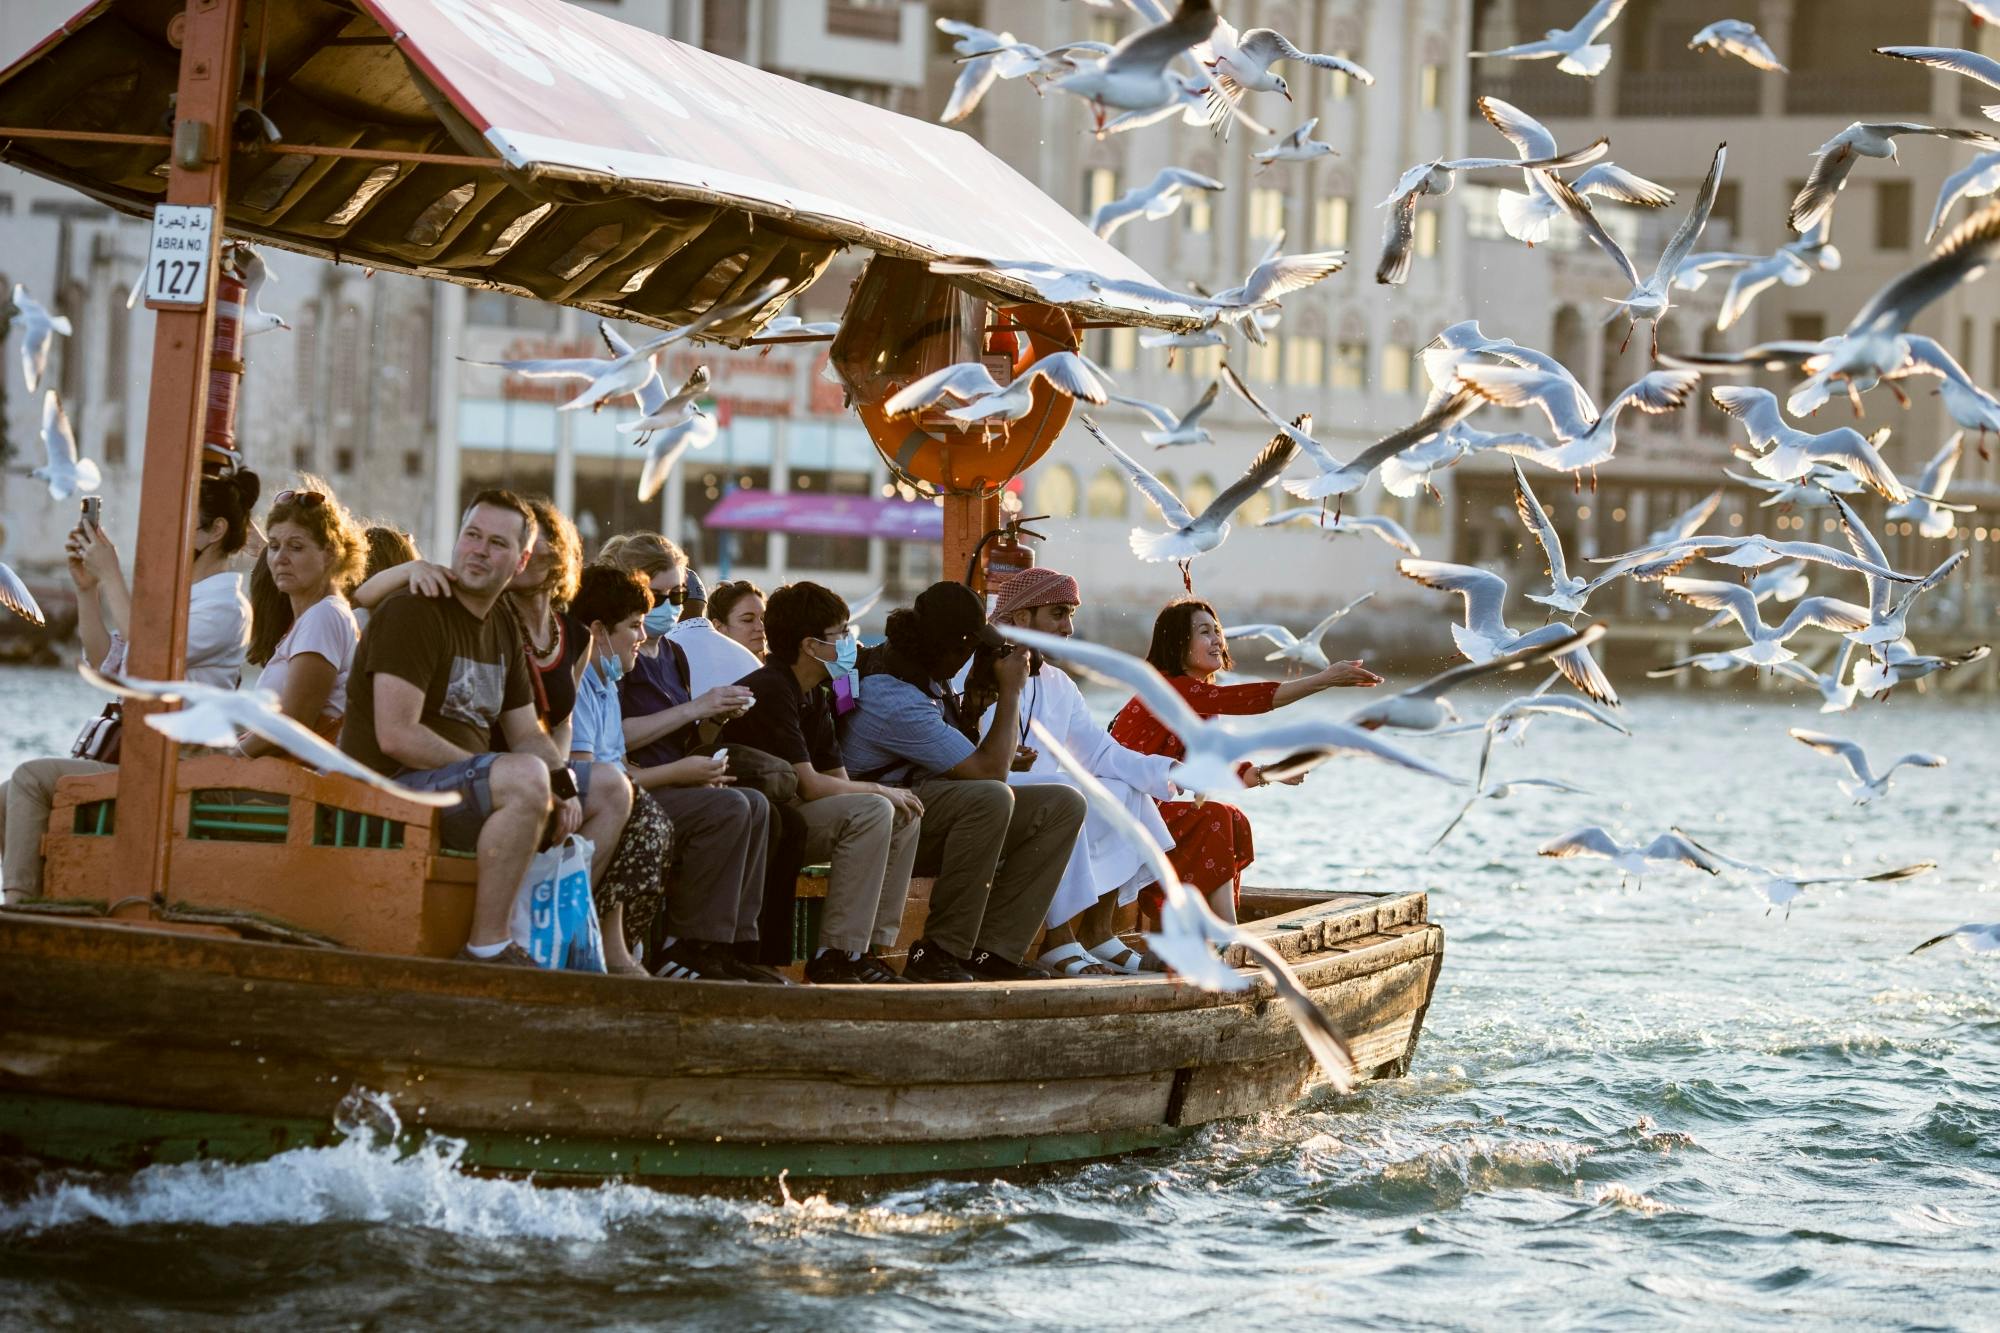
(554, 917)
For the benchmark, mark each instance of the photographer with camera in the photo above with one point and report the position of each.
(998, 851)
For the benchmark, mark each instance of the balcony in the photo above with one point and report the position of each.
(1677, 93)
(1893, 87)
(1537, 87)
(881, 21)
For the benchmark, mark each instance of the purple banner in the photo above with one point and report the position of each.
(828, 516)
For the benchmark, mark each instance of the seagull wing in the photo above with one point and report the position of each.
(1677, 847)
(1388, 529)
(1446, 681)
(1116, 668)
(1685, 236)
(1612, 181)
(975, 79)
(1485, 593)
(1969, 63)
(1579, 210)
(1162, 417)
(1537, 522)
(1935, 479)
(1713, 595)
(1826, 613)
(1756, 408)
(1150, 486)
(303, 743)
(1201, 405)
(1589, 841)
(1977, 179)
(1277, 634)
(1154, 48)
(1319, 631)
(1531, 138)
(554, 368)
(1823, 185)
(1960, 257)
(1519, 386)
(1071, 374)
(1398, 239)
(653, 393)
(1846, 751)
(1850, 449)
(1314, 450)
(965, 381)
(14, 595)
(58, 439)
(1307, 744)
(1273, 459)
(1283, 274)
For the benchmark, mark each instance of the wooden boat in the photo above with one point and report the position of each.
(231, 947)
(131, 1045)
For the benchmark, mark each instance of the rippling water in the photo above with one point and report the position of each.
(1631, 1105)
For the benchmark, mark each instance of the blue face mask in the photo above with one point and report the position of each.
(846, 683)
(661, 619)
(613, 667)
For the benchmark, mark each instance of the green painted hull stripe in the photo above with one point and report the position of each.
(114, 1137)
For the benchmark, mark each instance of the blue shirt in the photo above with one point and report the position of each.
(597, 724)
(899, 735)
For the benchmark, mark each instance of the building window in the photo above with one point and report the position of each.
(1892, 215)
(1262, 362)
(1430, 87)
(497, 310)
(1267, 212)
(1350, 365)
(1330, 222)
(1395, 368)
(1728, 207)
(1106, 496)
(1305, 360)
(1100, 187)
(1195, 208)
(1055, 491)
(1426, 240)
(1805, 326)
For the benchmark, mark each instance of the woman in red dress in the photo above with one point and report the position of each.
(1211, 840)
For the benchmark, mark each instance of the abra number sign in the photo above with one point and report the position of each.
(177, 260)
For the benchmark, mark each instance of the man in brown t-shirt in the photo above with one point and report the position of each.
(431, 678)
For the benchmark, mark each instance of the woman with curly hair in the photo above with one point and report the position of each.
(305, 637)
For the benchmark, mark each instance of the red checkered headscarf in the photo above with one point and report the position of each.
(1035, 587)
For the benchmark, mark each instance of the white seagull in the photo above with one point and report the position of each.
(663, 411)
(1767, 645)
(1971, 64)
(1160, 199)
(1566, 593)
(1485, 634)
(1191, 535)
(1336, 478)
(1794, 451)
(65, 473)
(1303, 649)
(216, 718)
(1781, 583)
(1925, 507)
(1404, 474)
(1835, 692)
(1975, 936)
(979, 67)
(1575, 48)
(1667, 849)
(1894, 663)
(1815, 490)
(1651, 296)
(1242, 64)
(1782, 888)
(1215, 746)
(256, 275)
(1689, 521)
(1436, 179)
(1975, 180)
(1171, 429)
(1755, 552)
(1528, 216)
(1425, 707)
(1510, 721)
(14, 595)
(1865, 784)
(1588, 440)
(1190, 929)
(1134, 75)
(1837, 156)
(1382, 526)
(1970, 406)
(1500, 791)
(1890, 624)
(1298, 146)
(1734, 37)
(981, 397)
(697, 430)
(38, 328)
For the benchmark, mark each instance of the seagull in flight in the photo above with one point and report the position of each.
(1794, 451)
(1404, 474)
(38, 329)
(1588, 441)
(1689, 521)
(1436, 179)
(1894, 663)
(1160, 199)
(256, 274)
(1815, 490)
(1975, 180)
(1190, 535)
(215, 718)
(697, 430)
(1190, 930)
(1755, 552)
(1575, 49)
(1971, 64)
(1242, 64)
(1975, 936)
(1864, 784)
(1528, 216)
(1836, 694)
(1767, 645)
(1566, 593)
(1668, 849)
(1969, 406)
(65, 473)
(1134, 76)
(1485, 634)
(14, 595)
(1298, 146)
(1216, 746)
(1336, 478)
(1301, 648)
(1500, 791)
(1926, 507)
(1425, 707)
(1837, 156)
(1734, 37)
(1782, 583)
(1171, 429)
(981, 397)
(1511, 720)
(1388, 529)
(1651, 296)
(1782, 888)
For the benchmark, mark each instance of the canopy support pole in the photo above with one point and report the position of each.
(967, 518)
(175, 414)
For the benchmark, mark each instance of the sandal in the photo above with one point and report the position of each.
(1123, 959)
(1073, 960)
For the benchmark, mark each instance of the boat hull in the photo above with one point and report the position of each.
(128, 1046)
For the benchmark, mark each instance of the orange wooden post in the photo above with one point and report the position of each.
(967, 518)
(198, 174)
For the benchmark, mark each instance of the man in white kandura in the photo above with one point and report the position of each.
(1104, 871)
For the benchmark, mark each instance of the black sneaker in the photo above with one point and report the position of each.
(691, 960)
(929, 963)
(875, 972)
(734, 968)
(835, 968)
(985, 965)
(511, 956)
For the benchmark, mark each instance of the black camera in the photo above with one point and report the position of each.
(988, 648)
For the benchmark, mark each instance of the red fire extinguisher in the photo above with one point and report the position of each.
(1000, 555)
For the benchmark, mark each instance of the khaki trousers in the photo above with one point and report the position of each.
(1000, 853)
(870, 877)
(25, 801)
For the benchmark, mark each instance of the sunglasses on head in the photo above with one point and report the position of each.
(304, 499)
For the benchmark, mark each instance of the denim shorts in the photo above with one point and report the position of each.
(472, 780)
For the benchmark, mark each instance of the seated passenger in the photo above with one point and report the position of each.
(611, 605)
(737, 609)
(713, 657)
(305, 641)
(866, 830)
(432, 678)
(1211, 840)
(218, 624)
(722, 834)
(1105, 870)
(999, 850)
